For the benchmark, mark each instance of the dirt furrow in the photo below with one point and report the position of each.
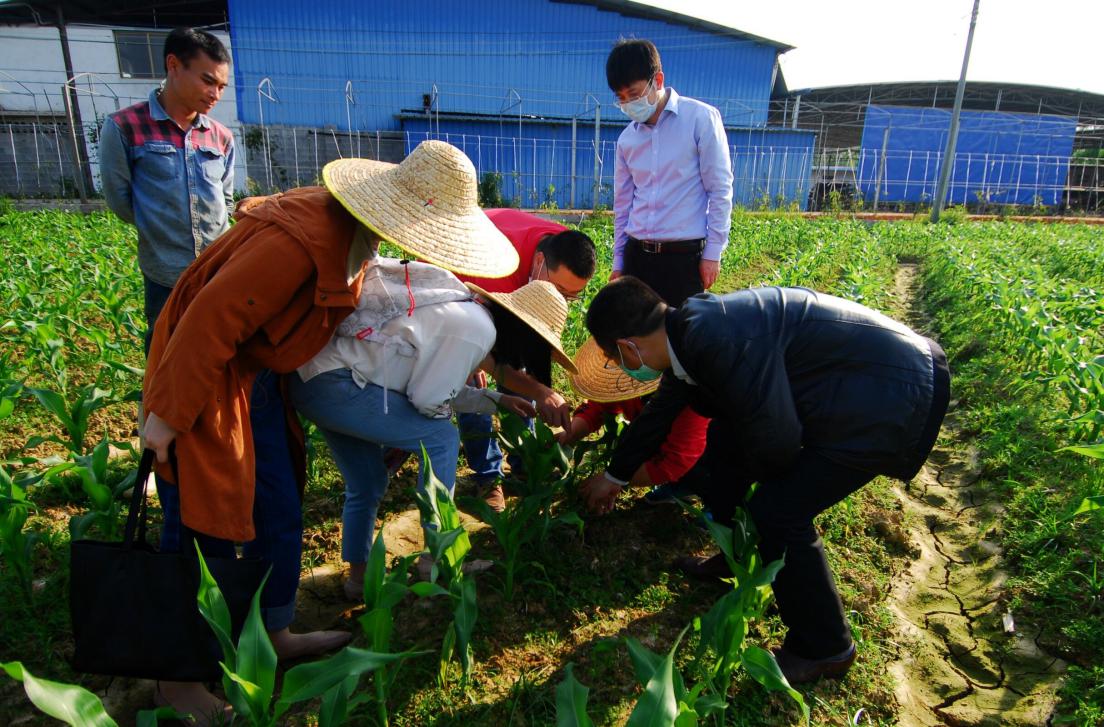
(957, 665)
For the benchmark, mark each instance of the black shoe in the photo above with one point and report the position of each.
(710, 569)
(799, 670)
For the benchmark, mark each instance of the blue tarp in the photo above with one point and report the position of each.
(1000, 158)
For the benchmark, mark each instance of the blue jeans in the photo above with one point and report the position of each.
(481, 447)
(277, 510)
(355, 427)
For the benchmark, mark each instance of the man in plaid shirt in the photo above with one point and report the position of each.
(168, 168)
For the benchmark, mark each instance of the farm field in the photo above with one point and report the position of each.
(1003, 531)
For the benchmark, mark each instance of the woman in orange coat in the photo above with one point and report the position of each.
(261, 301)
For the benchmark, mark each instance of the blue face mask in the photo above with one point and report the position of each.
(645, 373)
(641, 109)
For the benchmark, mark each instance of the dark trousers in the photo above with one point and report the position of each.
(156, 296)
(783, 508)
(673, 276)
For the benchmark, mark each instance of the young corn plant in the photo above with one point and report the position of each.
(249, 667)
(527, 519)
(723, 630)
(73, 415)
(571, 701)
(448, 545)
(16, 542)
(105, 497)
(666, 700)
(383, 591)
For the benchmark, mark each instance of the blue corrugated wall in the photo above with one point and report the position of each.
(770, 167)
(355, 65)
(1000, 158)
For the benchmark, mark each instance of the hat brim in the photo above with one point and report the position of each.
(539, 327)
(602, 380)
(467, 244)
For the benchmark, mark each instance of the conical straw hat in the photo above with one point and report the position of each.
(541, 307)
(427, 205)
(601, 379)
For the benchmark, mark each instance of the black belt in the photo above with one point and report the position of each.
(662, 247)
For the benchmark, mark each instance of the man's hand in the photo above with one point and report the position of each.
(554, 409)
(518, 405)
(614, 275)
(158, 435)
(599, 493)
(573, 433)
(709, 270)
(245, 204)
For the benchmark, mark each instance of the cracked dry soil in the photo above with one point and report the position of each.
(957, 664)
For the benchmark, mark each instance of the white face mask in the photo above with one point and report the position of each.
(641, 109)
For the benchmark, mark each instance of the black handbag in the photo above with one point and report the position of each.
(134, 609)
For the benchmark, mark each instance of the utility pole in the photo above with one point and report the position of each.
(76, 127)
(952, 137)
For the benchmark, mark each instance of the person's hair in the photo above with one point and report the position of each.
(185, 43)
(571, 248)
(626, 307)
(631, 60)
(518, 345)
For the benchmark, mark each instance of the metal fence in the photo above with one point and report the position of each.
(37, 159)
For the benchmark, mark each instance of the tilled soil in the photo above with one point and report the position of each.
(963, 660)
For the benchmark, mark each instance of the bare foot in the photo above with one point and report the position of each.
(193, 698)
(295, 646)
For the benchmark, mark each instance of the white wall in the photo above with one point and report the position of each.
(32, 56)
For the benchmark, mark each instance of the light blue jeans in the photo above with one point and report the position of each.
(353, 424)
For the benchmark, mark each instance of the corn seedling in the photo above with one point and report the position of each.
(448, 545)
(249, 667)
(383, 591)
(16, 543)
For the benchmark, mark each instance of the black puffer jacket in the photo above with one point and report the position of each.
(789, 368)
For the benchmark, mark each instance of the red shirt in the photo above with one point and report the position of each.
(524, 231)
(680, 451)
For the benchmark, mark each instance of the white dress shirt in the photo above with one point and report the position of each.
(673, 180)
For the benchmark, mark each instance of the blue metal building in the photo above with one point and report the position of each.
(516, 79)
(1002, 158)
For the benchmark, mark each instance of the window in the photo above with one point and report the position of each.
(140, 53)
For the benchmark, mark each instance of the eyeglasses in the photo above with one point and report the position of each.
(569, 297)
(647, 89)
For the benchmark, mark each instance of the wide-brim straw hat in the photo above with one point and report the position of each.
(428, 205)
(541, 307)
(601, 379)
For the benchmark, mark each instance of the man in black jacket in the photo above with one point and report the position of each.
(811, 396)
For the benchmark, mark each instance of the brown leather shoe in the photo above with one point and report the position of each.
(710, 569)
(799, 670)
(494, 496)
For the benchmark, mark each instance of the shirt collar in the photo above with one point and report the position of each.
(157, 112)
(676, 366)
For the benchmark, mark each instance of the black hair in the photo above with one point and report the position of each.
(631, 60)
(571, 248)
(626, 307)
(185, 43)
(518, 345)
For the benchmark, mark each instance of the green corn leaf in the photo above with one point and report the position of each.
(375, 571)
(1096, 451)
(213, 608)
(464, 618)
(422, 589)
(763, 668)
(335, 702)
(307, 681)
(659, 703)
(378, 624)
(645, 662)
(69, 703)
(571, 701)
(246, 697)
(256, 658)
(1096, 502)
(151, 717)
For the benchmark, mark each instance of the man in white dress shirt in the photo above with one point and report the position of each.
(672, 200)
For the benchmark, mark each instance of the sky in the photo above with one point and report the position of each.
(838, 42)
